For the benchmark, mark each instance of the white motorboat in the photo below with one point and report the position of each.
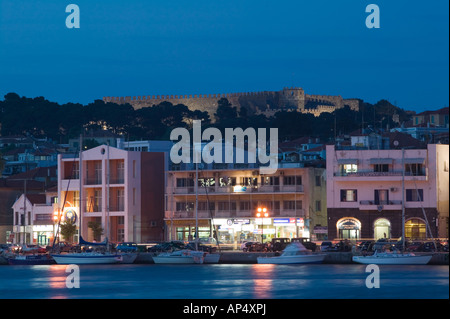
(294, 253)
(180, 257)
(87, 258)
(393, 258)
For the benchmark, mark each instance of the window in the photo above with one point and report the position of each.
(414, 195)
(348, 168)
(270, 180)
(415, 169)
(120, 171)
(224, 206)
(206, 182)
(349, 195)
(292, 204)
(381, 197)
(292, 180)
(185, 182)
(120, 220)
(227, 181)
(203, 206)
(98, 172)
(318, 181)
(318, 205)
(381, 167)
(184, 206)
(134, 169)
(249, 181)
(244, 206)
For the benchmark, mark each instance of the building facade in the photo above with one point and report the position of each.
(33, 218)
(366, 192)
(228, 200)
(123, 191)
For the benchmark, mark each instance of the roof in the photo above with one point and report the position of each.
(36, 198)
(398, 140)
(39, 172)
(444, 110)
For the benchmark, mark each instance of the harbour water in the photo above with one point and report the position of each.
(224, 281)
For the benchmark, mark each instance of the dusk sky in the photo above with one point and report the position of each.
(149, 47)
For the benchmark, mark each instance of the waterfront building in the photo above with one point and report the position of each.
(365, 193)
(230, 194)
(33, 218)
(123, 191)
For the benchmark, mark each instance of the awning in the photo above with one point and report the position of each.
(347, 161)
(414, 160)
(381, 161)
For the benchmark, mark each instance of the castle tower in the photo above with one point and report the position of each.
(292, 98)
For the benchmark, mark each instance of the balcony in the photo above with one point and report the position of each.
(394, 175)
(380, 205)
(93, 181)
(211, 190)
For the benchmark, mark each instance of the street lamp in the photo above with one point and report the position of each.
(262, 212)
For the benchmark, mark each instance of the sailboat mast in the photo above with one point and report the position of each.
(196, 206)
(403, 200)
(107, 192)
(80, 176)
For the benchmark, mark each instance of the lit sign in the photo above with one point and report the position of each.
(239, 189)
(70, 215)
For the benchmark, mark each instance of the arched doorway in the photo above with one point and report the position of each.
(348, 228)
(415, 228)
(382, 228)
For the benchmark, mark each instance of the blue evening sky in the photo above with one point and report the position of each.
(150, 47)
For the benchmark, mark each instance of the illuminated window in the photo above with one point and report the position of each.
(349, 195)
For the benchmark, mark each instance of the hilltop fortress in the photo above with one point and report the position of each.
(266, 102)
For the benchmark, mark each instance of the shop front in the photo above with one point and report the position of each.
(43, 234)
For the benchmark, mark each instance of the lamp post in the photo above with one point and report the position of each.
(262, 212)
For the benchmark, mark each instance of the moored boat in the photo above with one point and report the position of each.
(394, 258)
(180, 257)
(31, 260)
(87, 258)
(294, 253)
(127, 258)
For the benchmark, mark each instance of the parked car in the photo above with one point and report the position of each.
(326, 245)
(127, 247)
(278, 244)
(255, 246)
(414, 246)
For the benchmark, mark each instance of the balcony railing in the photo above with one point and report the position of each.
(93, 181)
(369, 173)
(380, 202)
(238, 189)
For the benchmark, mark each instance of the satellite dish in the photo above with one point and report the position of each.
(395, 143)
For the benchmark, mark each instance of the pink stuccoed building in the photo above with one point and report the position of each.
(132, 181)
(365, 194)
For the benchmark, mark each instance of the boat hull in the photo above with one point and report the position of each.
(81, 259)
(173, 260)
(211, 258)
(32, 260)
(128, 258)
(393, 259)
(299, 259)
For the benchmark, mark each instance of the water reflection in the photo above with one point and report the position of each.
(263, 283)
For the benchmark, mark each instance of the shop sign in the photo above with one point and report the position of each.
(320, 230)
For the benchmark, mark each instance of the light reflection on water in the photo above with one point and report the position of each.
(223, 282)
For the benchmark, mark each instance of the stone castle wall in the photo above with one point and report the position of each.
(293, 98)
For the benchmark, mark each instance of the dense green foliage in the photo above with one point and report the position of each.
(42, 118)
